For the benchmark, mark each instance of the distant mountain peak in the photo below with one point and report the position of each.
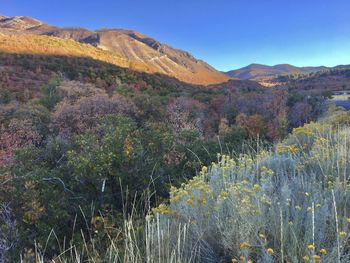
(19, 22)
(253, 71)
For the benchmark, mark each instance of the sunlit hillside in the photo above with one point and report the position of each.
(45, 45)
(125, 48)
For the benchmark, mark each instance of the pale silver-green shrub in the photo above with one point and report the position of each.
(243, 209)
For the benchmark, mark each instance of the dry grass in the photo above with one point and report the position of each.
(48, 45)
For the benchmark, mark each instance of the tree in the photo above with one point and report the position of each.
(299, 114)
(50, 94)
(255, 125)
(87, 113)
(18, 133)
(185, 114)
(119, 154)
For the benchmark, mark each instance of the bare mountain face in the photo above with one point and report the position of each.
(254, 71)
(147, 53)
(18, 22)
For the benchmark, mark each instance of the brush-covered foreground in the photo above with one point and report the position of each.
(286, 205)
(80, 138)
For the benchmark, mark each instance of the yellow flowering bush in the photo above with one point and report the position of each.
(267, 205)
(163, 209)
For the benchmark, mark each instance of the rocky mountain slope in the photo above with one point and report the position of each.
(135, 50)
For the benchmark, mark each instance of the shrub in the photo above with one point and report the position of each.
(50, 94)
(271, 207)
(87, 112)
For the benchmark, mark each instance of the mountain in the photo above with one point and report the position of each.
(333, 79)
(53, 46)
(257, 70)
(18, 23)
(136, 51)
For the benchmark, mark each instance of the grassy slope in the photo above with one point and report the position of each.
(44, 45)
(47, 45)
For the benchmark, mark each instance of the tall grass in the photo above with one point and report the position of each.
(152, 240)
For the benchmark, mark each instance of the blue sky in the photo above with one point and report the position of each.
(227, 34)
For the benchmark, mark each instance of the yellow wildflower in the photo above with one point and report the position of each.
(149, 217)
(223, 195)
(244, 246)
(128, 146)
(317, 258)
(162, 209)
(342, 234)
(293, 148)
(306, 194)
(348, 220)
(323, 251)
(234, 260)
(190, 201)
(269, 250)
(311, 246)
(202, 201)
(256, 187)
(306, 258)
(266, 171)
(262, 236)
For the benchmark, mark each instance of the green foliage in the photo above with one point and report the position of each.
(5, 96)
(337, 117)
(294, 98)
(234, 138)
(36, 183)
(327, 94)
(50, 94)
(111, 157)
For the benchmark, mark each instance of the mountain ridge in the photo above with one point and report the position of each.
(149, 54)
(259, 70)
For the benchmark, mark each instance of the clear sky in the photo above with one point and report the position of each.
(227, 34)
